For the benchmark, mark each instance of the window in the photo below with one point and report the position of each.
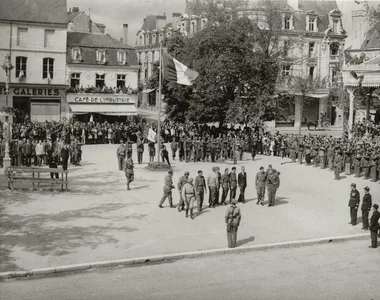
(22, 36)
(120, 83)
(311, 48)
(312, 21)
(76, 54)
(335, 26)
(75, 80)
(101, 56)
(192, 27)
(100, 80)
(20, 66)
(334, 49)
(285, 70)
(311, 73)
(288, 22)
(48, 68)
(334, 75)
(121, 57)
(49, 34)
(286, 48)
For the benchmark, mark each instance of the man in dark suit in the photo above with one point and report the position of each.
(366, 207)
(65, 156)
(374, 226)
(242, 183)
(353, 203)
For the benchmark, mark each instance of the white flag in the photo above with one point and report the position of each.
(151, 135)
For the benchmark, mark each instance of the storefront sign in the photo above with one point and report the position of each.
(100, 98)
(32, 91)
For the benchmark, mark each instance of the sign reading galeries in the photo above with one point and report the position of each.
(100, 98)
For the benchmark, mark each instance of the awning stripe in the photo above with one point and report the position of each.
(112, 109)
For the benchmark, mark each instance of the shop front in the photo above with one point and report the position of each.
(102, 107)
(36, 103)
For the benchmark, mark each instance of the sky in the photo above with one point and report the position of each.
(115, 13)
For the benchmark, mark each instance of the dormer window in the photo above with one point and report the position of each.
(121, 57)
(101, 56)
(288, 21)
(76, 54)
(312, 24)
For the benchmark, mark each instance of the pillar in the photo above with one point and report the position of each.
(350, 91)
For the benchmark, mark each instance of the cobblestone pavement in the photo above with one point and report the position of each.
(98, 219)
(331, 271)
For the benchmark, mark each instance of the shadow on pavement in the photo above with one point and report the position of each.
(245, 241)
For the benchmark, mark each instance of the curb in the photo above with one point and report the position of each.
(139, 261)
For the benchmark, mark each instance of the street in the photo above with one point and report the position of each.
(334, 271)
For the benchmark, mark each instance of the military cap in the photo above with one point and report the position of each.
(375, 206)
(187, 173)
(170, 171)
(353, 184)
(367, 188)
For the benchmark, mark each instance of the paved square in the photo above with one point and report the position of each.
(98, 219)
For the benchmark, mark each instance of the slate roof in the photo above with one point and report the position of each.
(94, 41)
(149, 23)
(372, 38)
(72, 16)
(41, 11)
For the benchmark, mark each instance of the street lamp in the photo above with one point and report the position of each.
(7, 66)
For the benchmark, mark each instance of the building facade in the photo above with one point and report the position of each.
(102, 74)
(33, 40)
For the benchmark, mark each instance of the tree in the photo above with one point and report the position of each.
(373, 13)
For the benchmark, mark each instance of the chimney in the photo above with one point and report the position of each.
(69, 12)
(176, 20)
(125, 33)
(160, 22)
(101, 27)
(75, 9)
(89, 20)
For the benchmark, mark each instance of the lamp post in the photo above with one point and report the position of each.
(7, 66)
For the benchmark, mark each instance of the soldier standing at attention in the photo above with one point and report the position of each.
(242, 182)
(374, 226)
(233, 183)
(337, 164)
(181, 182)
(353, 203)
(168, 186)
(225, 182)
(232, 218)
(128, 169)
(120, 152)
(188, 194)
(260, 180)
(200, 189)
(366, 207)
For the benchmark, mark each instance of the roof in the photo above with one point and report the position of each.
(372, 38)
(71, 16)
(149, 23)
(39, 11)
(319, 6)
(94, 41)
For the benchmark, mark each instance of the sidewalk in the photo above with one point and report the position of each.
(98, 219)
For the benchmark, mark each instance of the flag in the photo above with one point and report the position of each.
(176, 71)
(151, 135)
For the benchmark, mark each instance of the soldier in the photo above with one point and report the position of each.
(330, 157)
(213, 184)
(353, 203)
(232, 218)
(357, 165)
(233, 183)
(152, 150)
(301, 149)
(316, 155)
(188, 147)
(120, 153)
(181, 182)
(200, 189)
(366, 207)
(322, 157)
(188, 194)
(165, 155)
(347, 161)
(218, 186)
(294, 150)
(273, 183)
(366, 165)
(337, 164)
(242, 182)
(373, 166)
(140, 150)
(128, 169)
(168, 186)
(374, 226)
(308, 155)
(260, 180)
(174, 147)
(225, 182)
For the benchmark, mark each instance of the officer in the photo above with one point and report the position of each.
(168, 186)
(273, 183)
(200, 189)
(374, 226)
(232, 218)
(120, 152)
(181, 182)
(366, 207)
(260, 180)
(128, 169)
(225, 182)
(188, 194)
(233, 183)
(353, 203)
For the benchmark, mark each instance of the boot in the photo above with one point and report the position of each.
(191, 214)
(187, 213)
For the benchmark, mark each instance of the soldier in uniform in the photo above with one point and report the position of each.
(366, 165)
(188, 194)
(301, 149)
(273, 183)
(330, 157)
(347, 161)
(357, 165)
(174, 147)
(353, 203)
(316, 155)
(140, 150)
(152, 150)
(374, 226)
(366, 207)
(232, 218)
(200, 189)
(181, 182)
(308, 155)
(260, 180)
(128, 169)
(168, 186)
(225, 182)
(322, 157)
(233, 183)
(188, 146)
(294, 150)
(337, 164)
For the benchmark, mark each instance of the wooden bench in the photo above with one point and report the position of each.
(33, 174)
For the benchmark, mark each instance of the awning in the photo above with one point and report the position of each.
(105, 109)
(148, 91)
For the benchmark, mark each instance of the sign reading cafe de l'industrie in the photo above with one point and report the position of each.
(99, 98)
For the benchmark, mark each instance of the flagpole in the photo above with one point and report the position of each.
(159, 106)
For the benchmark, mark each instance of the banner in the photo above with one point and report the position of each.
(151, 135)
